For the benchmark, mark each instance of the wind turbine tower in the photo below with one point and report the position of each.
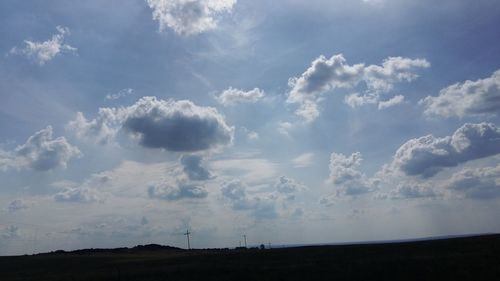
(187, 235)
(245, 237)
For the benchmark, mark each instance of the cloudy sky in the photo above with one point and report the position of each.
(323, 121)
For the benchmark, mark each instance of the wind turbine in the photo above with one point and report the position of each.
(187, 235)
(245, 237)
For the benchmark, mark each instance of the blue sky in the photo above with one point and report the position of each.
(127, 122)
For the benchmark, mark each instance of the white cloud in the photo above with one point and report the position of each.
(284, 128)
(325, 75)
(78, 195)
(154, 123)
(102, 129)
(167, 190)
(478, 183)
(303, 160)
(41, 152)
(356, 100)
(250, 170)
(16, 205)
(289, 186)
(253, 135)
(343, 168)
(393, 70)
(232, 96)
(187, 17)
(42, 52)
(89, 191)
(427, 155)
(121, 94)
(10, 232)
(480, 97)
(344, 174)
(412, 191)
(248, 134)
(391, 102)
(329, 200)
(261, 207)
(374, 2)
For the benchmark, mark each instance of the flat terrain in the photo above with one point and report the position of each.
(471, 258)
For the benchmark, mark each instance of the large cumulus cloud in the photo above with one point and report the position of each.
(171, 125)
(41, 152)
(478, 97)
(325, 75)
(427, 155)
(189, 17)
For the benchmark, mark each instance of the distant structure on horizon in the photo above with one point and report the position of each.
(187, 235)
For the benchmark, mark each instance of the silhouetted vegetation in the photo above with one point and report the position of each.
(470, 258)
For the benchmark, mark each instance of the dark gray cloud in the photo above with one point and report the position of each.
(189, 17)
(426, 156)
(40, 152)
(176, 191)
(325, 75)
(468, 98)
(193, 168)
(479, 183)
(171, 125)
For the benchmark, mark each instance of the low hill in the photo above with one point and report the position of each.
(124, 250)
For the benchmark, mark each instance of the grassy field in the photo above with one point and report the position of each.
(471, 258)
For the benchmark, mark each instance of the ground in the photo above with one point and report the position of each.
(468, 258)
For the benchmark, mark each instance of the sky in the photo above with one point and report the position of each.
(291, 122)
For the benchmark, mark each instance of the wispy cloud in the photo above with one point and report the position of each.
(42, 52)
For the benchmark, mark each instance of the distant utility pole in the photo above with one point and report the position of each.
(187, 235)
(245, 237)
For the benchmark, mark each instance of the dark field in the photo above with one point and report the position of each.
(471, 258)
